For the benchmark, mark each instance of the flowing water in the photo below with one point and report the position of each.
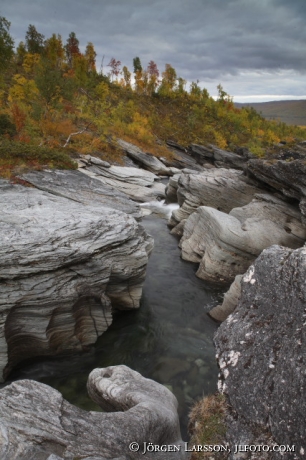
(169, 339)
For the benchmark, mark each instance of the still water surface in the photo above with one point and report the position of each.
(168, 339)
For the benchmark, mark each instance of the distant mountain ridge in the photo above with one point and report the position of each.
(290, 112)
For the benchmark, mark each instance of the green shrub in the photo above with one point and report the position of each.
(18, 156)
(7, 128)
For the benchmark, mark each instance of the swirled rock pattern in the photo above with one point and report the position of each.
(63, 267)
(226, 244)
(140, 186)
(36, 422)
(223, 189)
(82, 189)
(261, 350)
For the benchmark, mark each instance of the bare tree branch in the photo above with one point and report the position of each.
(75, 134)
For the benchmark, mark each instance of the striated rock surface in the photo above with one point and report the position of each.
(230, 301)
(287, 176)
(226, 244)
(82, 189)
(63, 267)
(220, 158)
(35, 420)
(223, 189)
(261, 351)
(136, 184)
(135, 176)
(171, 188)
(146, 160)
(181, 158)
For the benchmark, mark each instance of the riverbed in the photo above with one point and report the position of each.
(169, 339)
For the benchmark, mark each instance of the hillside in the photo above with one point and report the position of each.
(290, 112)
(54, 105)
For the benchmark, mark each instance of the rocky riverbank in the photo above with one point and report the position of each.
(74, 251)
(232, 222)
(67, 260)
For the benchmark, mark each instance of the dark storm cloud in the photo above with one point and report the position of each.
(208, 40)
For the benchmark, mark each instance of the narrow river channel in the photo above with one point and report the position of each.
(169, 339)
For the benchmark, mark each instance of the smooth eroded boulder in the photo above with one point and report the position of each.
(261, 350)
(226, 244)
(222, 189)
(35, 420)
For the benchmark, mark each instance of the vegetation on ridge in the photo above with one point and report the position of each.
(53, 99)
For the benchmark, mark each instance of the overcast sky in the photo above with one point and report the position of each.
(255, 48)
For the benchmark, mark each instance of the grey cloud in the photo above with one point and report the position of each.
(208, 40)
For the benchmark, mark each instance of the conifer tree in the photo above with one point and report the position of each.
(6, 44)
(34, 40)
(72, 48)
(90, 56)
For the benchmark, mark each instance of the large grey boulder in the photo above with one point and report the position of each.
(63, 267)
(220, 158)
(146, 160)
(37, 423)
(226, 244)
(261, 351)
(81, 188)
(289, 177)
(181, 158)
(222, 189)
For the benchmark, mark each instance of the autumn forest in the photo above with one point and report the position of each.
(56, 103)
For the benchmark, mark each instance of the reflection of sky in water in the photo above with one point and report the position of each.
(168, 339)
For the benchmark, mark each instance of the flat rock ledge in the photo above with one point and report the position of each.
(82, 189)
(261, 351)
(135, 183)
(64, 266)
(145, 160)
(225, 245)
(37, 423)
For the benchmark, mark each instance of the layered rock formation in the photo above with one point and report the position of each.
(42, 423)
(63, 267)
(261, 351)
(146, 160)
(135, 183)
(289, 177)
(82, 189)
(223, 189)
(226, 244)
(220, 158)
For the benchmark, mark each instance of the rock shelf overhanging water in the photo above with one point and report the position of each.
(64, 267)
